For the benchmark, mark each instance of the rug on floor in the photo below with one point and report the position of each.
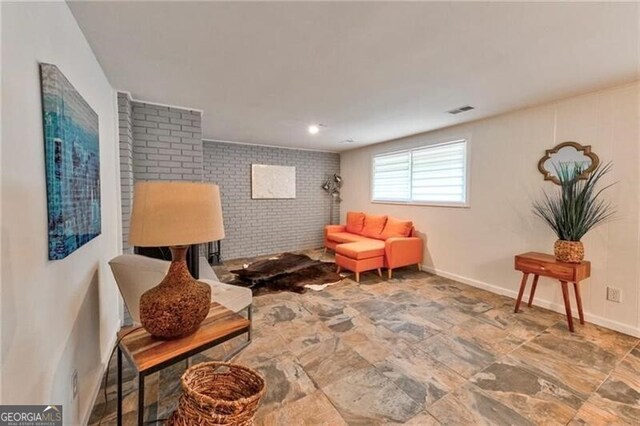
(287, 272)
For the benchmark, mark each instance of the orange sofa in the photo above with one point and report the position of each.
(369, 242)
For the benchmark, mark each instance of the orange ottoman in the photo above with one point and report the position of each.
(360, 256)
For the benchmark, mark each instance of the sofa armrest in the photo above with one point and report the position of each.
(330, 229)
(403, 251)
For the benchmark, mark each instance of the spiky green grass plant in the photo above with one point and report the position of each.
(578, 206)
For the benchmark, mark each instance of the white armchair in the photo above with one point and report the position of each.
(136, 274)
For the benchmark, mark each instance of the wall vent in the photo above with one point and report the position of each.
(461, 109)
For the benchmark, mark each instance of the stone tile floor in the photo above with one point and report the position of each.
(418, 349)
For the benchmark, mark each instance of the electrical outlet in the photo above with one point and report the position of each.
(613, 294)
(74, 383)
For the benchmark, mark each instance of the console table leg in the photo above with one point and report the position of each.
(250, 318)
(523, 284)
(119, 394)
(533, 289)
(576, 289)
(140, 400)
(567, 304)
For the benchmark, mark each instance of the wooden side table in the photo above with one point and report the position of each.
(547, 266)
(149, 354)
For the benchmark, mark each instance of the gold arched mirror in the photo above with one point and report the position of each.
(570, 154)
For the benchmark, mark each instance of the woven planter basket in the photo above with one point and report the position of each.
(218, 393)
(569, 251)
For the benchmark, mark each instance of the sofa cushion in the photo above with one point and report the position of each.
(362, 249)
(355, 222)
(396, 228)
(373, 225)
(345, 237)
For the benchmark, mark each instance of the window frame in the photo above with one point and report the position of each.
(410, 150)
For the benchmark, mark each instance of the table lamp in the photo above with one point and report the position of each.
(175, 214)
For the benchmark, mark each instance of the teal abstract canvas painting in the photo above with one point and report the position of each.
(72, 157)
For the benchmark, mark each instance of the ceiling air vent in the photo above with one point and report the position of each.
(461, 109)
(347, 141)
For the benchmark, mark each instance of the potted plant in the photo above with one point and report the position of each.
(574, 210)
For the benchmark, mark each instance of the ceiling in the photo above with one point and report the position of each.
(262, 72)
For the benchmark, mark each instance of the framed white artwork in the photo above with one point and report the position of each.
(272, 181)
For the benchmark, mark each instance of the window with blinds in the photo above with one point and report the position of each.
(392, 176)
(435, 174)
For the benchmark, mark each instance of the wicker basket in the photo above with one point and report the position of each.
(569, 251)
(217, 393)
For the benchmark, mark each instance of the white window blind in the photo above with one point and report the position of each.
(439, 173)
(432, 174)
(392, 176)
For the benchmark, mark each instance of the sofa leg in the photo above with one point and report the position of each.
(358, 277)
(324, 251)
(419, 267)
(338, 270)
(389, 273)
(380, 272)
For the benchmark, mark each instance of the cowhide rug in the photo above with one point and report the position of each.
(287, 272)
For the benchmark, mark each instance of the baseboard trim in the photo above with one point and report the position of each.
(543, 303)
(98, 384)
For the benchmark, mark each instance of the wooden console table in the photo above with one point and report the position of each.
(149, 354)
(547, 266)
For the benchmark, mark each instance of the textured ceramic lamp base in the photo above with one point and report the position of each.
(175, 307)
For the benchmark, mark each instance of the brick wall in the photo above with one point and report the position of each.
(167, 143)
(156, 143)
(257, 227)
(126, 165)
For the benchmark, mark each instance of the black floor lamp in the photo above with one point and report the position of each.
(332, 186)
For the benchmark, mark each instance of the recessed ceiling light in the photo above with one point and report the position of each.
(315, 128)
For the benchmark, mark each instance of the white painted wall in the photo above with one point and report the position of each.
(1, 186)
(62, 315)
(476, 245)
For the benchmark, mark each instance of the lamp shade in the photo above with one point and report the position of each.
(175, 214)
